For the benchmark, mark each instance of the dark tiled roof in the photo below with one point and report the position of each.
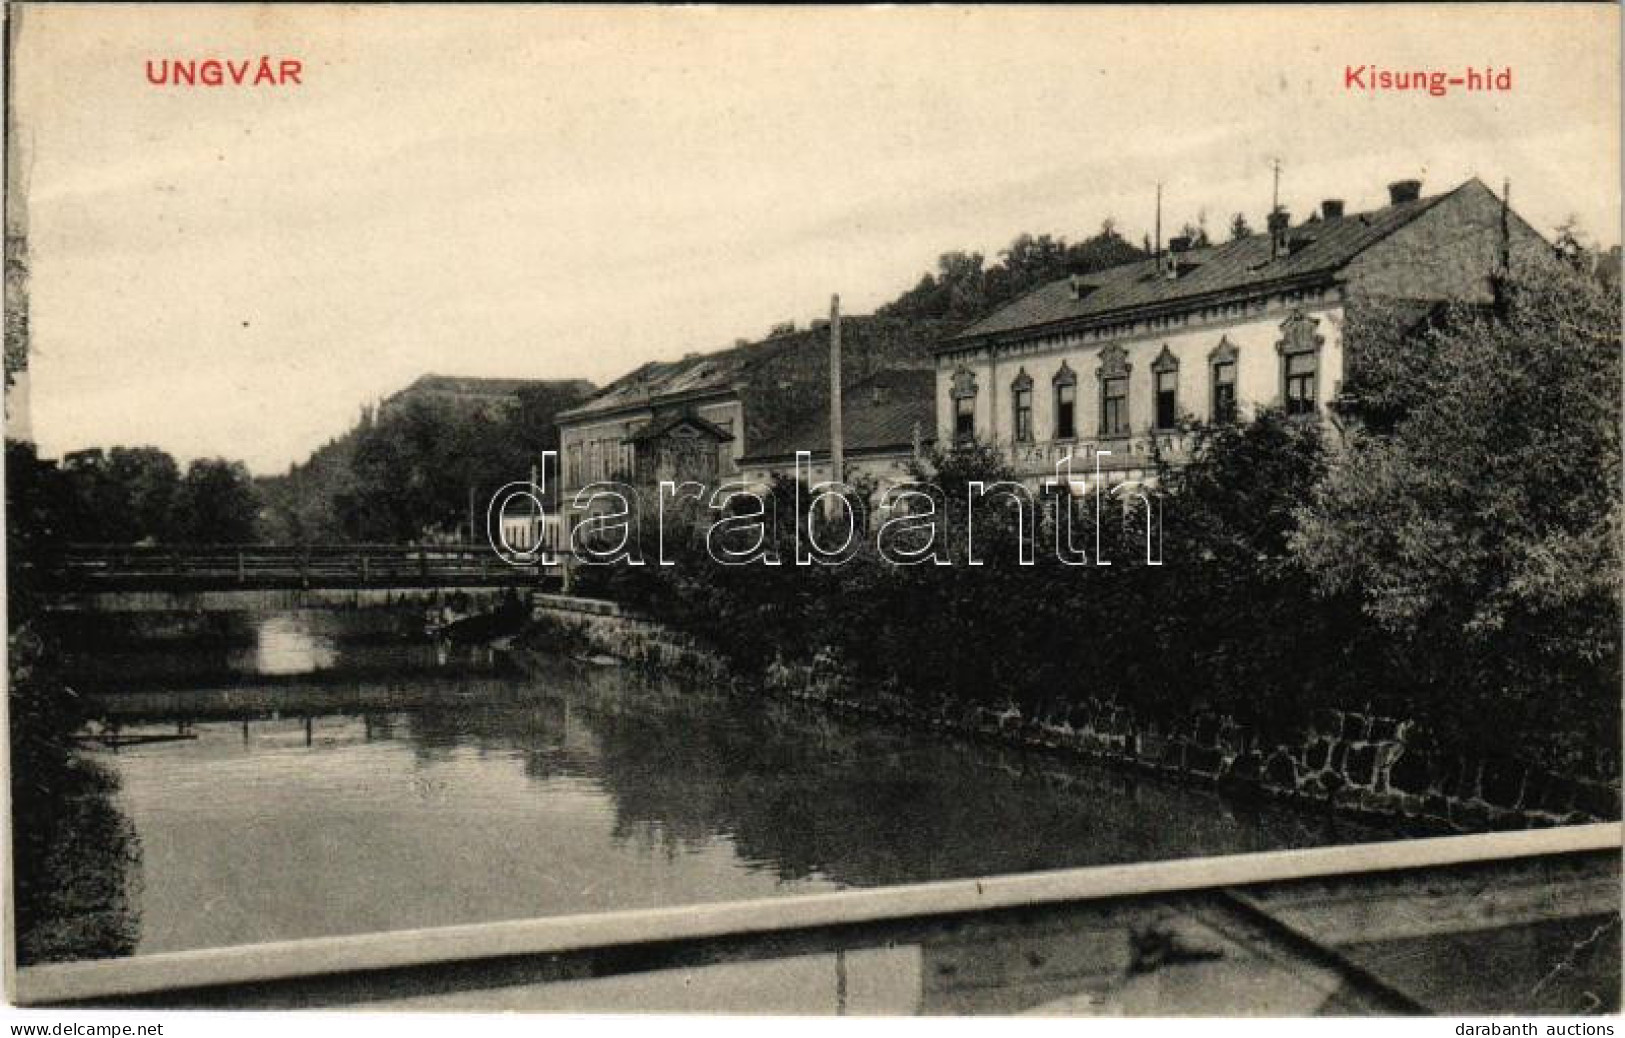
(694, 374)
(879, 413)
(1239, 265)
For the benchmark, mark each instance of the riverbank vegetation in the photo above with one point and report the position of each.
(1444, 549)
(73, 854)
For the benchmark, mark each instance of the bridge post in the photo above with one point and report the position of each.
(242, 575)
(304, 565)
(365, 575)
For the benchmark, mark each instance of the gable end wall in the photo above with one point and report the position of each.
(1449, 252)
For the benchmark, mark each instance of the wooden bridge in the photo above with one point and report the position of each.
(203, 567)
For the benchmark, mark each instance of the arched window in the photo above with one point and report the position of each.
(1113, 375)
(1066, 403)
(1021, 400)
(1222, 369)
(964, 397)
(1165, 373)
(1299, 349)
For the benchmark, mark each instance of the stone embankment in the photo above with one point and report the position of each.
(1349, 760)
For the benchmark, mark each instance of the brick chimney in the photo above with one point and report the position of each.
(1277, 223)
(1404, 191)
(1331, 209)
(1177, 245)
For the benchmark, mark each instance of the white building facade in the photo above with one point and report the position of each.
(1115, 363)
(1124, 390)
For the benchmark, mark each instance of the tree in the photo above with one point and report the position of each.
(304, 505)
(120, 496)
(411, 472)
(1568, 244)
(964, 289)
(404, 482)
(961, 275)
(1238, 227)
(1232, 603)
(146, 482)
(39, 503)
(1106, 249)
(1479, 518)
(217, 503)
(93, 512)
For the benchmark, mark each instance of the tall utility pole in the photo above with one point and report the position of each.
(1157, 246)
(1506, 227)
(837, 461)
(1503, 264)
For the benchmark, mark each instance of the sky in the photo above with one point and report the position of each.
(571, 192)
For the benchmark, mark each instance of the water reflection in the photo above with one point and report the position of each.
(359, 798)
(287, 643)
(166, 651)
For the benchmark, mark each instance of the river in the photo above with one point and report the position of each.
(335, 776)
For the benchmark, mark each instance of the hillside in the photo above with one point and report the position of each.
(407, 465)
(407, 468)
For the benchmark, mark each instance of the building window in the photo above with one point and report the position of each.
(1299, 349)
(1167, 399)
(1300, 383)
(965, 418)
(1165, 369)
(1222, 362)
(1113, 374)
(1114, 406)
(1021, 393)
(963, 392)
(1224, 391)
(725, 449)
(1066, 403)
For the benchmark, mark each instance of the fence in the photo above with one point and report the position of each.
(92, 567)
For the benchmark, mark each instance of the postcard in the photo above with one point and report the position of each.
(1093, 511)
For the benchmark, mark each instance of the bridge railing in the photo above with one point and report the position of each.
(121, 566)
(1358, 928)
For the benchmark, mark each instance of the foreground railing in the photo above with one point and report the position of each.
(1340, 929)
(134, 567)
